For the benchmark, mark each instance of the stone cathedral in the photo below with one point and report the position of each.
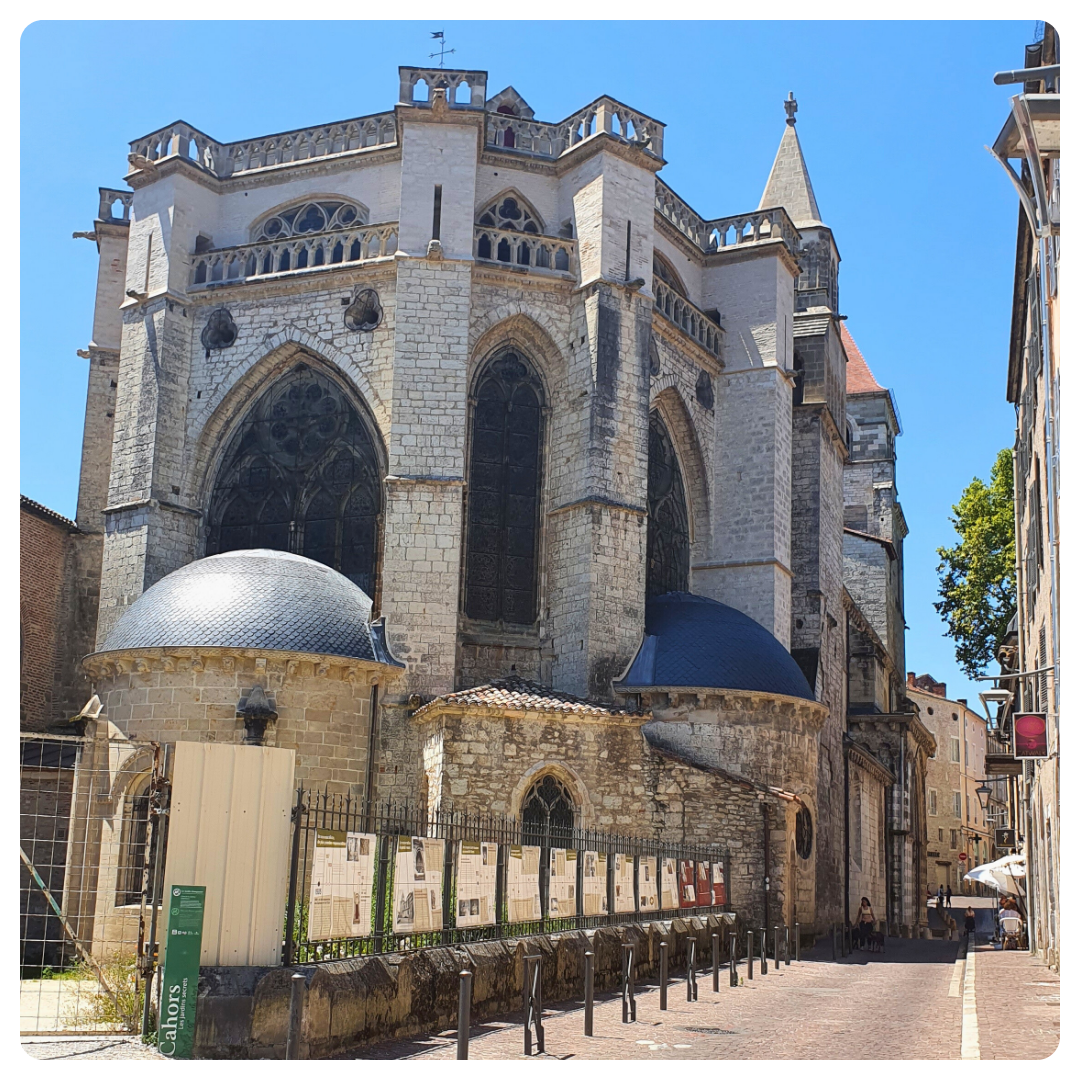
(454, 450)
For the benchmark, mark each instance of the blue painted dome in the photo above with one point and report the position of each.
(693, 641)
(257, 599)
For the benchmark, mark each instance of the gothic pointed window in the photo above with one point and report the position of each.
(511, 212)
(301, 474)
(503, 519)
(547, 806)
(310, 217)
(668, 540)
(667, 273)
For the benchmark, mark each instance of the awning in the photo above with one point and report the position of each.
(1003, 874)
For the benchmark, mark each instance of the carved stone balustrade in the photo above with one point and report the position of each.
(107, 200)
(670, 206)
(229, 159)
(532, 136)
(770, 224)
(449, 79)
(315, 251)
(687, 317)
(547, 254)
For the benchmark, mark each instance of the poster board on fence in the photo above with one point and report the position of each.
(342, 872)
(704, 884)
(719, 889)
(594, 883)
(476, 864)
(646, 883)
(687, 884)
(624, 883)
(523, 883)
(669, 885)
(418, 871)
(562, 883)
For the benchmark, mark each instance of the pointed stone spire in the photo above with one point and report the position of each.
(789, 182)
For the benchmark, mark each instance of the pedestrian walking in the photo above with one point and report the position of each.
(941, 895)
(865, 922)
(969, 924)
(948, 897)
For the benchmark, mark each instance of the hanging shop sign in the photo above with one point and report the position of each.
(1029, 735)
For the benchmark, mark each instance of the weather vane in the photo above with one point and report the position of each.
(443, 52)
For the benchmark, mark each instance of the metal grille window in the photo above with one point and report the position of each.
(133, 854)
(503, 523)
(302, 474)
(668, 539)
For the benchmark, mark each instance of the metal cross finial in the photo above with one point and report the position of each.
(791, 107)
(443, 52)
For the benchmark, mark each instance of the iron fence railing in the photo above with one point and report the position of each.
(397, 877)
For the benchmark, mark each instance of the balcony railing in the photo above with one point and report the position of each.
(547, 254)
(687, 317)
(315, 251)
(229, 159)
(670, 206)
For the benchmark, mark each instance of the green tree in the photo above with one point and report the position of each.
(978, 575)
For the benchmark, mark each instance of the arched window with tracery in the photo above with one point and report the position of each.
(302, 474)
(667, 273)
(135, 856)
(547, 806)
(315, 216)
(668, 540)
(503, 518)
(510, 212)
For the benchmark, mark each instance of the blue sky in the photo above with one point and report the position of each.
(892, 117)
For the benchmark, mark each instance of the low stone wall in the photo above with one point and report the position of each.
(243, 1012)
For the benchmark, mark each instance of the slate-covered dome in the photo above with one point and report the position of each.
(693, 641)
(258, 599)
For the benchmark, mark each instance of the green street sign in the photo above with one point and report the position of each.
(180, 971)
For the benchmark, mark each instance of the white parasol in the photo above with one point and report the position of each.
(1002, 874)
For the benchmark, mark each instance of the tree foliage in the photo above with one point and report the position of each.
(978, 576)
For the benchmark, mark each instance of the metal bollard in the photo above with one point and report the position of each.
(797, 960)
(629, 1002)
(716, 963)
(749, 954)
(297, 986)
(464, 1008)
(663, 975)
(764, 957)
(588, 992)
(534, 1007)
(787, 946)
(776, 948)
(733, 959)
(691, 973)
(832, 930)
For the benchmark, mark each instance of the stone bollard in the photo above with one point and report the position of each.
(297, 987)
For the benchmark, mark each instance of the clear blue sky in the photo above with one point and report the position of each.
(892, 116)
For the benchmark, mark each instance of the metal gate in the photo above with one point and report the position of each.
(93, 829)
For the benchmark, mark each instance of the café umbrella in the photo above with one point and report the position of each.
(1002, 874)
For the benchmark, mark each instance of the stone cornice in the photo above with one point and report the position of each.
(682, 342)
(489, 273)
(867, 761)
(605, 141)
(737, 253)
(434, 710)
(302, 282)
(723, 699)
(679, 239)
(909, 721)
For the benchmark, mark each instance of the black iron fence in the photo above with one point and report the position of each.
(397, 877)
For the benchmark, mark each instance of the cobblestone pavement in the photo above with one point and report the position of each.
(90, 1048)
(1019, 1005)
(894, 1004)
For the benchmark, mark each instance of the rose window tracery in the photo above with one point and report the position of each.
(508, 212)
(310, 217)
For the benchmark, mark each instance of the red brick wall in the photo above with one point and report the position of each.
(43, 547)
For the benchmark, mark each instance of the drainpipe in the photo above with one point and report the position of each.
(903, 834)
(369, 794)
(765, 891)
(847, 832)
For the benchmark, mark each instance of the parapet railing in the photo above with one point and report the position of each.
(553, 140)
(543, 253)
(108, 201)
(229, 159)
(718, 234)
(314, 251)
(687, 317)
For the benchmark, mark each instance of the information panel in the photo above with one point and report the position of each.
(704, 884)
(646, 883)
(718, 889)
(523, 883)
(342, 872)
(687, 884)
(418, 871)
(624, 883)
(562, 883)
(180, 971)
(594, 883)
(669, 885)
(476, 864)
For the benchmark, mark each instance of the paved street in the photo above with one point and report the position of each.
(904, 1004)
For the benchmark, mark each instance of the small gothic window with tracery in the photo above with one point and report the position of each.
(503, 521)
(668, 539)
(509, 213)
(301, 474)
(134, 856)
(547, 806)
(310, 217)
(667, 274)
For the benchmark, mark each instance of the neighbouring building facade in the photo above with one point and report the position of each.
(454, 450)
(1028, 147)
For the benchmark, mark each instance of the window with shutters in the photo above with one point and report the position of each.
(954, 747)
(503, 515)
(933, 802)
(302, 474)
(957, 805)
(668, 537)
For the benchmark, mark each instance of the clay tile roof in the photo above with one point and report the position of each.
(860, 379)
(43, 511)
(515, 693)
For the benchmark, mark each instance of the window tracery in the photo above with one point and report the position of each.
(310, 217)
(509, 212)
(301, 474)
(668, 538)
(547, 806)
(667, 274)
(134, 856)
(503, 520)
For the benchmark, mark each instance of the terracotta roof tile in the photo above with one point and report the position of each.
(860, 379)
(515, 693)
(43, 511)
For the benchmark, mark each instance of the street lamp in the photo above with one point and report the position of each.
(984, 791)
(999, 697)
